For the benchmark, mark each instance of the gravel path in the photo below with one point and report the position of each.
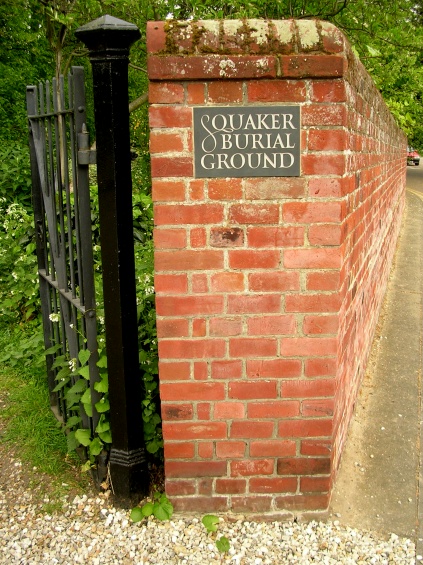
(92, 531)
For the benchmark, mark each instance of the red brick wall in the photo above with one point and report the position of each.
(268, 289)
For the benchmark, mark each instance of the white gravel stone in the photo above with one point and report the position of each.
(91, 531)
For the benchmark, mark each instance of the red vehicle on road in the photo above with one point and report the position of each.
(413, 158)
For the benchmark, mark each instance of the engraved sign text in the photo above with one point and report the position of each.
(247, 142)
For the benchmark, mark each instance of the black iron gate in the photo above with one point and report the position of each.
(60, 159)
(101, 409)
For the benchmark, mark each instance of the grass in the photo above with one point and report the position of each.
(29, 427)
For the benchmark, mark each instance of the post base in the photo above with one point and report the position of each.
(129, 476)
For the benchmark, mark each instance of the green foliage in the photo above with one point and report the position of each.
(161, 508)
(19, 298)
(223, 544)
(211, 522)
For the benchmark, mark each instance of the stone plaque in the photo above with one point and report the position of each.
(253, 141)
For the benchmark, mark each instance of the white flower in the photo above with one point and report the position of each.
(72, 364)
(54, 317)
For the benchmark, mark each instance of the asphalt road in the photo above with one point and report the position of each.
(415, 177)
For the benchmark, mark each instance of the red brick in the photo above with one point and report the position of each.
(312, 302)
(198, 327)
(165, 93)
(224, 91)
(252, 347)
(254, 213)
(274, 188)
(326, 187)
(302, 502)
(166, 142)
(323, 115)
(231, 486)
(227, 281)
(198, 67)
(200, 504)
(328, 91)
(251, 467)
(316, 408)
(225, 189)
(308, 347)
(156, 37)
(304, 428)
(250, 503)
(332, 39)
(273, 281)
(312, 258)
(205, 486)
(272, 448)
(170, 117)
(262, 485)
(203, 410)
(205, 450)
(200, 371)
(229, 410)
(168, 191)
(170, 238)
(226, 237)
(249, 259)
(316, 447)
(327, 140)
(320, 325)
(197, 237)
(302, 66)
(188, 305)
(173, 284)
(184, 214)
(272, 325)
(199, 283)
(303, 466)
(192, 391)
(278, 236)
(225, 326)
(174, 371)
(276, 91)
(230, 449)
(280, 409)
(191, 348)
(196, 93)
(325, 235)
(183, 469)
(171, 167)
(323, 281)
(226, 369)
(194, 430)
(308, 388)
(273, 368)
(312, 212)
(245, 304)
(177, 411)
(179, 450)
(172, 327)
(320, 367)
(196, 189)
(315, 484)
(321, 164)
(181, 487)
(252, 390)
(251, 429)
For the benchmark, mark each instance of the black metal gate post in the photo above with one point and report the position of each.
(108, 40)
